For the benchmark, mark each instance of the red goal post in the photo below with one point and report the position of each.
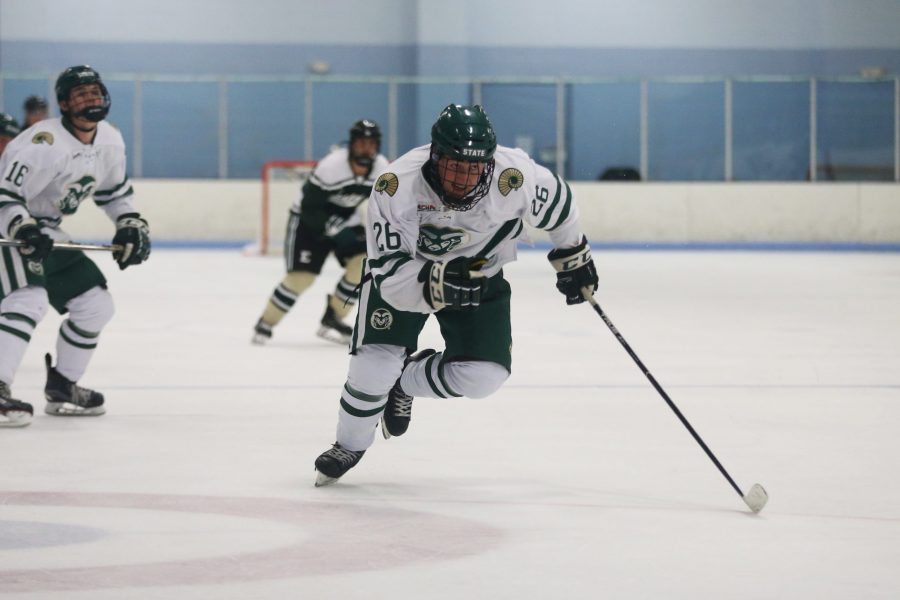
(281, 183)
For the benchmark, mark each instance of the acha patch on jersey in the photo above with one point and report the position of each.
(381, 319)
(510, 179)
(387, 183)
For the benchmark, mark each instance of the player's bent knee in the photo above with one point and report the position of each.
(475, 379)
(30, 301)
(375, 367)
(92, 310)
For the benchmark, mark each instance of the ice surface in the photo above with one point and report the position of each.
(575, 480)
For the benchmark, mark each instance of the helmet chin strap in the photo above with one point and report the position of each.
(82, 129)
(363, 161)
(86, 114)
(94, 114)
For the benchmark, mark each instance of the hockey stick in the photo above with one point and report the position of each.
(757, 497)
(67, 245)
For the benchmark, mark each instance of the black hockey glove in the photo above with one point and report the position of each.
(575, 270)
(456, 285)
(37, 243)
(133, 235)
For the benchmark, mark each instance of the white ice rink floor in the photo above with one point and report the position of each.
(574, 481)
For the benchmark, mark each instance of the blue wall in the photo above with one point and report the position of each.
(465, 37)
(179, 120)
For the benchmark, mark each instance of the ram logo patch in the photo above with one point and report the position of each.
(387, 183)
(509, 180)
(77, 192)
(35, 266)
(43, 137)
(440, 240)
(381, 319)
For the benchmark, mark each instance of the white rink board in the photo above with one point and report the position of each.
(860, 213)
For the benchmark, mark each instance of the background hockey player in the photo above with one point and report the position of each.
(8, 130)
(442, 221)
(36, 109)
(45, 174)
(324, 220)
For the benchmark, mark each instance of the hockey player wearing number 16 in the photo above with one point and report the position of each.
(45, 174)
(442, 221)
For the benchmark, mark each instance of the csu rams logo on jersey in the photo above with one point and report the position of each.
(440, 240)
(35, 267)
(381, 319)
(43, 137)
(509, 180)
(387, 183)
(77, 192)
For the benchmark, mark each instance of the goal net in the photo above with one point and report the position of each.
(281, 183)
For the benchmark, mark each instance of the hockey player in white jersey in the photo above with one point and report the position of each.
(442, 221)
(45, 175)
(324, 220)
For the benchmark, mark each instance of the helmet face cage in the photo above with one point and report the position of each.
(437, 174)
(462, 133)
(74, 77)
(365, 129)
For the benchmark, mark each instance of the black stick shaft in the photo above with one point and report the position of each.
(664, 395)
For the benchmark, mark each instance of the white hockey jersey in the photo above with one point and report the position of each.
(47, 172)
(333, 189)
(409, 225)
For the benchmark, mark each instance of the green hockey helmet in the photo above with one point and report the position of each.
(80, 75)
(8, 126)
(462, 133)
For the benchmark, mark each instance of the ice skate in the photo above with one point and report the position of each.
(13, 413)
(67, 399)
(398, 410)
(334, 462)
(332, 328)
(262, 333)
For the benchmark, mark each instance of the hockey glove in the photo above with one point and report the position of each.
(575, 270)
(457, 284)
(133, 235)
(37, 244)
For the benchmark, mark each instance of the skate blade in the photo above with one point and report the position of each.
(259, 339)
(384, 430)
(66, 409)
(335, 337)
(15, 418)
(756, 498)
(322, 480)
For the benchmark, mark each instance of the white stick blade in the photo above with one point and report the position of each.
(756, 498)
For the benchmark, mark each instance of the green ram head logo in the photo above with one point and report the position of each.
(76, 193)
(440, 240)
